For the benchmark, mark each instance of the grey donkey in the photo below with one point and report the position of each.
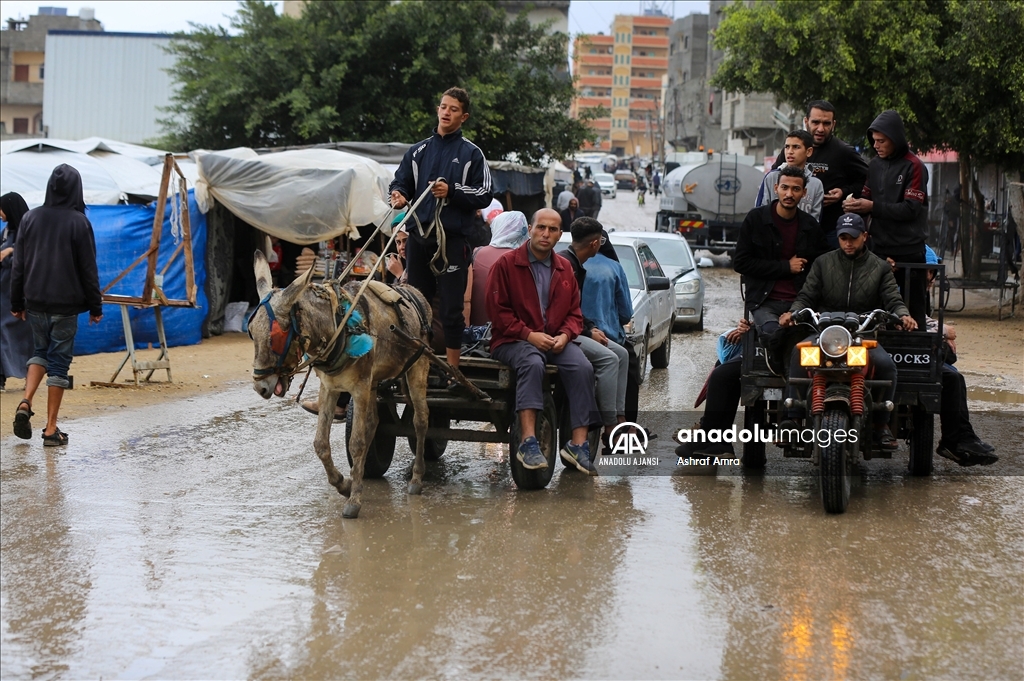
(302, 318)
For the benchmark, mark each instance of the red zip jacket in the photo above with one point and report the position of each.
(512, 303)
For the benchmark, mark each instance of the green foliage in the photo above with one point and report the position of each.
(374, 71)
(954, 69)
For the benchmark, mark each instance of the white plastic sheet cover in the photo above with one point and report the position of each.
(109, 176)
(302, 196)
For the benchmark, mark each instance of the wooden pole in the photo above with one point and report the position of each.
(158, 228)
(186, 239)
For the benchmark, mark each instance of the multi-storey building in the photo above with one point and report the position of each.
(622, 73)
(23, 67)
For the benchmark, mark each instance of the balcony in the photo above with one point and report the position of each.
(650, 62)
(594, 81)
(650, 41)
(645, 83)
(587, 102)
(24, 93)
(642, 105)
(651, 22)
(585, 59)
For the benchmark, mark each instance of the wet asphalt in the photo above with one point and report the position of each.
(200, 539)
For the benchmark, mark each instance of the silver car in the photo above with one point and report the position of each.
(676, 258)
(650, 329)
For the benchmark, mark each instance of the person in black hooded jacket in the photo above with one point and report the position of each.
(15, 335)
(55, 279)
(895, 196)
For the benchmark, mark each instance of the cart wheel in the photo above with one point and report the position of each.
(433, 448)
(921, 437)
(547, 435)
(835, 464)
(753, 452)
(381, 449)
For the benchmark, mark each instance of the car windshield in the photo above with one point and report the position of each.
(671, 253)
(603, 177)
(630, 263)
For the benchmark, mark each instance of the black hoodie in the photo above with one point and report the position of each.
(55, 261)
(898, 186)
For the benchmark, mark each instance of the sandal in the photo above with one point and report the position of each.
(58, 439)
(22, 426)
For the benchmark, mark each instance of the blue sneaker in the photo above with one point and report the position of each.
(578, 456)
(530, 456)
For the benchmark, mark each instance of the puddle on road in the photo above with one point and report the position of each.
(994, 395)
(217, 549)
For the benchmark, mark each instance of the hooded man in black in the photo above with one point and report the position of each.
(895, 196)
(55, 279)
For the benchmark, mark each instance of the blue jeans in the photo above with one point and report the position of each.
(53, 336)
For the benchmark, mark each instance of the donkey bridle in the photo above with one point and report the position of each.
(282, 344)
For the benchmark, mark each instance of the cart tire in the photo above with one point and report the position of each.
(663, 355)
(921, 437)
(753, 452)
(835, 465)
(382, 447)
(547, 435)
(433, 448)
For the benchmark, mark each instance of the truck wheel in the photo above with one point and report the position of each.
(382, 447)
(433, 448)
(661, 357)
(753, 452)
(835, 464)
(921, 437)
(547, 435)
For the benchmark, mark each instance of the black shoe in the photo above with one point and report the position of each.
(786, 424)
(884, 439)
(964, 457)
(975, 445)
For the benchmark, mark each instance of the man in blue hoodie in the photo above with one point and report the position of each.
(55, 279)
(895, 195)
(438, 254)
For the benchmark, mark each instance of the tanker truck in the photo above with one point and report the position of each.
(705, 199)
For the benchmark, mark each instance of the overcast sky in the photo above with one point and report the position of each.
(585, 16)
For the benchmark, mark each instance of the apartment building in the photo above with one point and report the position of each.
(23, 66)
(623, 73)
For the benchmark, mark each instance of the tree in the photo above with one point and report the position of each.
(374, 71)
(954, 69)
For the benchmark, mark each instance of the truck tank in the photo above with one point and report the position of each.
(723, 188)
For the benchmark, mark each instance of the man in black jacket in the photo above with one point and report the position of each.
(437, 255)
(838, 165)
(54, 280)
(895, 196)
(590, 199)
(776, 246)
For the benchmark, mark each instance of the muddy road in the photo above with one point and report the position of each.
(198, 538)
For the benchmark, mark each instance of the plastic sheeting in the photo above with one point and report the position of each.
(302, 196)
(123, 234)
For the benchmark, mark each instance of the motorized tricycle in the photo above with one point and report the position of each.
(842, 401)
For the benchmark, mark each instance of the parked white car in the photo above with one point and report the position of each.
(676, 258)
(606, 181)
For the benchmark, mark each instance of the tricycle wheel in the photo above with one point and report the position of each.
(753, 452)
(382, 447)
(921, 436)
(547, 436)
(835, 464)
(433, 447)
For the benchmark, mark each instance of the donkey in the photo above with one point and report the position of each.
(302, 319)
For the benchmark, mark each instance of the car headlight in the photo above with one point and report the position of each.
(688, 286)
(834, 341)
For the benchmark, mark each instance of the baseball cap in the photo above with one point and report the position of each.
(851, 225)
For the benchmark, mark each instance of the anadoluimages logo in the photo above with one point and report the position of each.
(628, 439)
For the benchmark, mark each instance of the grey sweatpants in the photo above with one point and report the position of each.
(574, 371)
(611, 370)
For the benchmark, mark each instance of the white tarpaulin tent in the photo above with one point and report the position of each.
(302, 196)
(112, 172)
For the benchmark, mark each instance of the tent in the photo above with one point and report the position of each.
(302, 196)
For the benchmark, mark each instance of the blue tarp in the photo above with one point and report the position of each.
(122, 235)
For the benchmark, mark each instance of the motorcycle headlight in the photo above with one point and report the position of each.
(834, 341)
(689, 286)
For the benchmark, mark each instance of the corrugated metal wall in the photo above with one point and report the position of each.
(106, 85)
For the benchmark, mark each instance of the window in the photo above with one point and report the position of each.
(686, 42)
(41, 72)
(21, 125)
(21, 76)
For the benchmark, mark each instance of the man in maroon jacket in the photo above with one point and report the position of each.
(533, 303)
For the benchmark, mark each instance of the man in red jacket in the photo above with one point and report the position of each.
(533, 303)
